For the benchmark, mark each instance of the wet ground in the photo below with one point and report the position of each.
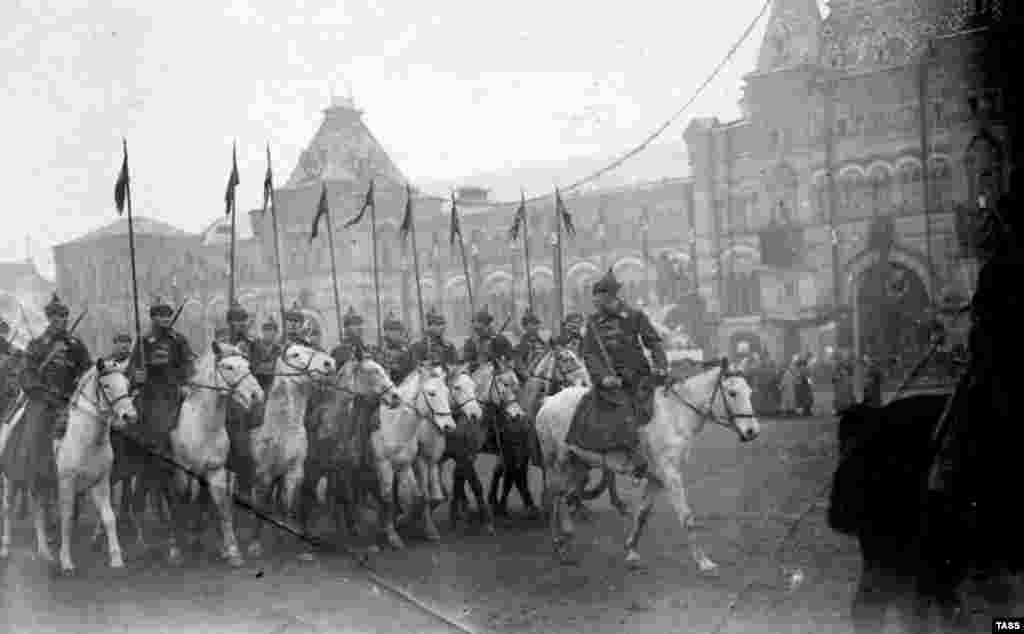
(760, 509)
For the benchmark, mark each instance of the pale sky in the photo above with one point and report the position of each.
(449, 88)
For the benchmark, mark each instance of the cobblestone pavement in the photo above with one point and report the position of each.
(760, 509)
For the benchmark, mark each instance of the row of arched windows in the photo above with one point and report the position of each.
(881, 192)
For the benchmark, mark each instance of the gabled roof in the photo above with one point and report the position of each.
(344, 149)
(141, 226)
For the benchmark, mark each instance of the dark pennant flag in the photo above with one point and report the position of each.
(455, 229)
(366, 205)
(570, 229)
(519, 219)
(268, 182)
(321, 211)
(229, 195)
(406, 227)
(123, 181)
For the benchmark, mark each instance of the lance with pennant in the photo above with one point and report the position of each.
(521, 223)
(229, 210)
(561, 217)
(456, 231)
(268, 198)
(370, 204)
(409, 229)
(122, 199)
(323, 210)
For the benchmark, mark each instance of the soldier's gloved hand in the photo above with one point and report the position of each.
(611, 382)
(140, 376)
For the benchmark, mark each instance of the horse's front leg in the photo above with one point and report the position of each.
(497, 476)
(6, 510)
(677, 497)
(100, 494)
(560, 482)
(639, 521)
(291, 488)
(221, 494)
(386, 474)
(423, 477)
(262, 498)
(478, 493)
(37, 502)
(66, 498)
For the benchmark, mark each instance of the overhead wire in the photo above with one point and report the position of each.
(660, 130)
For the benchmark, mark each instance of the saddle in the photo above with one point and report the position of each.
(609, 419)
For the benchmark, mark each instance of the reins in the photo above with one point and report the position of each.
(708, 412)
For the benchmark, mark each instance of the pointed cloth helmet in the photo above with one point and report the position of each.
(56, 307)
(483, 316)
(160, 308)
(435, 318)
(352, 318)
(529, 318)
(294, 314)
(607, 284)
(237, 313)
(391, 322)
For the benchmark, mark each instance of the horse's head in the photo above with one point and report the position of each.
(113, 392)
(569, 369)
(300, 360)
(369, 378)
(231, 372)
(433, 400)
(463, 393)
(502, 390)
(722, 395)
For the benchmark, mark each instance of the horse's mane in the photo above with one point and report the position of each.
(411, 385)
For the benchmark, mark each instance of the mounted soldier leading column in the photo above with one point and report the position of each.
(610, 415)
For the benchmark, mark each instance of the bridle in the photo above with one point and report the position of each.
(432, 413)
(102, 404)
(389, 385)
(498, 393)
(472, 397)
(707, 412)
(231, 387)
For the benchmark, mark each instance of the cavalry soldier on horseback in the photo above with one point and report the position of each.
(122, 348)
(264, 355)
(433, 347)
(609, 416)
(293, 322)
(238, 421)
(238, 329)
(11, 361)
(531, 346)
(484, 345)
(352, 342)
(54, 362)
(394, 354)
(163, 382)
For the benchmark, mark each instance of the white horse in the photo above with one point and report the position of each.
(84, 458)
(680, 411)
(411, 437)
(279, 445)
(200, 441)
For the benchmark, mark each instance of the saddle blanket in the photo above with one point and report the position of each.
(608, 420)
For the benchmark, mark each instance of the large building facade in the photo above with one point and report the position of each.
(838, 210)
(640, 232)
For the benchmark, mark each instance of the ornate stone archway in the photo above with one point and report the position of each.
(891, 302)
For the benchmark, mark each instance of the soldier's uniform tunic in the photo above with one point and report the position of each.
(240, 422)
(436, 350)
(396, 359)
(28, 455)
(169, 365)
(12, 360)
(263, 361)
(485, 347)
(530, 349)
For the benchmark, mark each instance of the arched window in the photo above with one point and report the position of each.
(909, 187)
(848, 196)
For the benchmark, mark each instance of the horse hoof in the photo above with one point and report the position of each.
(175, 557)
(633, 560)
(4, 553)
(532, 513)
(433, 537)
(46, 557)
(707, 566)
(307, 556)
(396, 542)
(117, 563)
(67, 571)
(489, 530)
